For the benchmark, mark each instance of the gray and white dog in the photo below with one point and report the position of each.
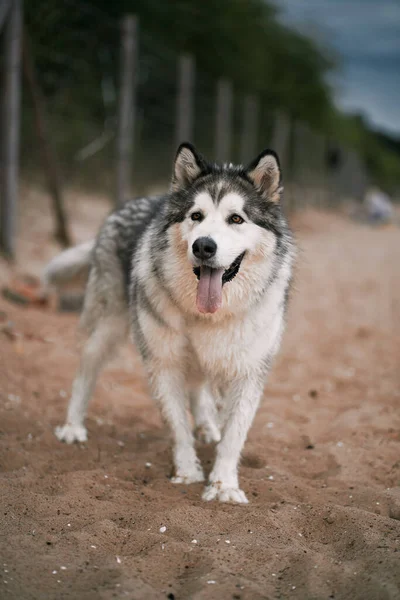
(201, 277)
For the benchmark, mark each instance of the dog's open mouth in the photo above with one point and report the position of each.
(209, 289)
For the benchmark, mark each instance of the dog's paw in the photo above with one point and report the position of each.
(188, 476)
(208, 433)
(71, 433)
(216, 491)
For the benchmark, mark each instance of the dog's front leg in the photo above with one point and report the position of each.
(241, 402)
(169, 391)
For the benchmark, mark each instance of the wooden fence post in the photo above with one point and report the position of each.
(50, 163)
(300, 164)
(280, 137)
(248, 145)
(185, 99)
(10, 127)
(126, 107)
(223, 125)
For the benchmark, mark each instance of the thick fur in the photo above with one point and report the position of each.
(142, 280)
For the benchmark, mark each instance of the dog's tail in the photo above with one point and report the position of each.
(72, 264)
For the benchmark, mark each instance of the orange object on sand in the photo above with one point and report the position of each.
(25, 290)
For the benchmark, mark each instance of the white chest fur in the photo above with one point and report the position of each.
(236, 347)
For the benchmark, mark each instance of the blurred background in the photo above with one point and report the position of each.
(107, 91)
(95, 96)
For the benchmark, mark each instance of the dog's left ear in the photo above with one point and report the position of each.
(265, 174)
(188, 165)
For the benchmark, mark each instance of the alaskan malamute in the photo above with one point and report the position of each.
(200, 277)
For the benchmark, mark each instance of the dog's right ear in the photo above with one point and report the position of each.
(188, 165)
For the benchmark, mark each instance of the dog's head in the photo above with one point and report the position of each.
(228, 218)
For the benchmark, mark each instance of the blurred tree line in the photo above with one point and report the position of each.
(75, 43)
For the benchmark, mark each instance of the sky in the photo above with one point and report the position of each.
(366, 36)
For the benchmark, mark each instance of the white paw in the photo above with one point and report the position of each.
(216, 491)
(71, 433)
(188, 476)
(208, 433)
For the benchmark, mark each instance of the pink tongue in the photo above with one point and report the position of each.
(209, 290)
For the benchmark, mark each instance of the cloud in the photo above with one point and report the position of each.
(366, 34)
(372, 93)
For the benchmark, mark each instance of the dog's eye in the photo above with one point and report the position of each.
(197, 216)
(236, 219)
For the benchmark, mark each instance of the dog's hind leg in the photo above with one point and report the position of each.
(204, 411)
(102, 343)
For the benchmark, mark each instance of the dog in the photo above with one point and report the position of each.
(201, 278)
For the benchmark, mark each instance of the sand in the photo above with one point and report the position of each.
(321, 466)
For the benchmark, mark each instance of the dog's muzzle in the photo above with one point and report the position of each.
(229, 273)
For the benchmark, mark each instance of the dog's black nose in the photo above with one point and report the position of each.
(204, 248)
